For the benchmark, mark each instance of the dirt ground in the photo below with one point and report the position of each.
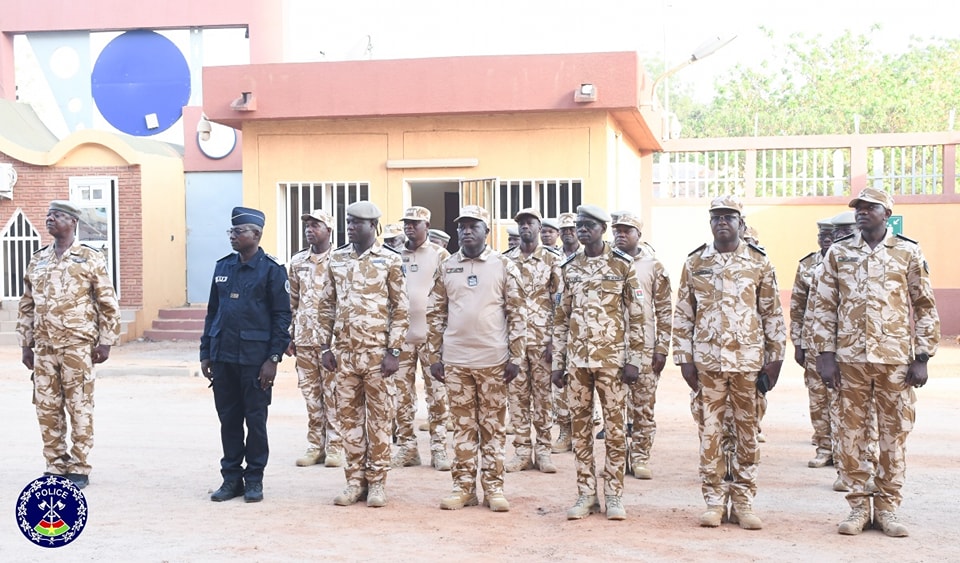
(157, 452)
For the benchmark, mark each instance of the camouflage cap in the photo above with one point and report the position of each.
(439, 234)
(627, 219)
(473, 212)
(513, 231)
(844, 219)
(826, 224)
(363, 210)
(416, 213)
(528, 212)
(393, 230)
(873, 195)
(247, 216)
(320, 215)
(65, 207)
(616, 214)
(726, 202)
(567, 220)
(550, 224)
(594, 212)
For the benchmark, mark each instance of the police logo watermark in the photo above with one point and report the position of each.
(51, 511)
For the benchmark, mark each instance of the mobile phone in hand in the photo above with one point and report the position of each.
(763, 383)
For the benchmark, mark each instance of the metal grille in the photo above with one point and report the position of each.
(802, 172)
(698, 174)
(912, 170)
(20, 241)
(333, 197)
(551, 196)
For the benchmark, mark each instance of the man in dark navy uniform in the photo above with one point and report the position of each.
(244, 336)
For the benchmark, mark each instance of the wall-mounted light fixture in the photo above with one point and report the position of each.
(204, 128)
(587, 92)
(246, 102)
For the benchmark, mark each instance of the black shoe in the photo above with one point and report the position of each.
(79, 480)
(252, 491)
(601, 435)
(227, 491)
(629, 429)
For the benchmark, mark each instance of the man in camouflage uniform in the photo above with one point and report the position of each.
(476, 342)
(568, 235)
(549, 232)
(363, 303)
(439, 238)
(245, 333)
(306, 273)
(656, 302)
(421, 259)
(819, 396)
(539, 268)
(875, 285)
(728, 328)
(513, 237)
(394, 237)
(68, 320)
(598, 341)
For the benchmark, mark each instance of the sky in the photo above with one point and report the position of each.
(671, 29)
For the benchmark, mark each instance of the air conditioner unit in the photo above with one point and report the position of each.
(8, 179)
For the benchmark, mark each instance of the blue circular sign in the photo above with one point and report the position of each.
(51, 511)
(140, 83)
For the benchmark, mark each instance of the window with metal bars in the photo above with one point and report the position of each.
(19, 241)
(332, 197)
(550, 196)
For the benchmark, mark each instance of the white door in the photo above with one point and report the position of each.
(95, 196)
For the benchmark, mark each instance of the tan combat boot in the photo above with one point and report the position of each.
(743, 514)
(640, 469)
(376, 496)
(496, 502)
(350, 495)
(520, 462)
(822, 460)
(855, 522)
(425, 427)
(334, 458)
(439, 461)
(585, 506)
(406, 457)
(615, 509)
(564, 442)
(887, 521)
(839, 485)
(312, 456)
(545, 464)
(458, 498)
(713, 516)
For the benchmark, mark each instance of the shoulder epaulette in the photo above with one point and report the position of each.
(552, 249)
(232, 254)
(650, 246)
(390, 248)
(809, 255)
(906, 239)
(757, 248)
(343, 246)
(273, 258)
(42, 248)
(90, 247)
(511, 249)
(622, 255)
(568, 259)
(698, 249)
(845, 238)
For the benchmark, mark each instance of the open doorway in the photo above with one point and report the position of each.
(442, 198)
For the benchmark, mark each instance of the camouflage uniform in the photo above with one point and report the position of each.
(818, 393)
(540, 276)
(419, 266)
(363, 303)
(475, 323)
(68, 308)
(729, 323)
(307, 272)
(598, 328)
(656, 301)
(866, 300)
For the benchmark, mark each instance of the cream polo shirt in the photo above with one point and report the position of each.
(419, 266)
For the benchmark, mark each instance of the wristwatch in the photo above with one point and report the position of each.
(922, 358)
(395, 352)
(275, 358)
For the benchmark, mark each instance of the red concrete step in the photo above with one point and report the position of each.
(184, 313)
(186, 335)
(178, 324)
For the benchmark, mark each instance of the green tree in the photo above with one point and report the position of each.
(809, 86)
